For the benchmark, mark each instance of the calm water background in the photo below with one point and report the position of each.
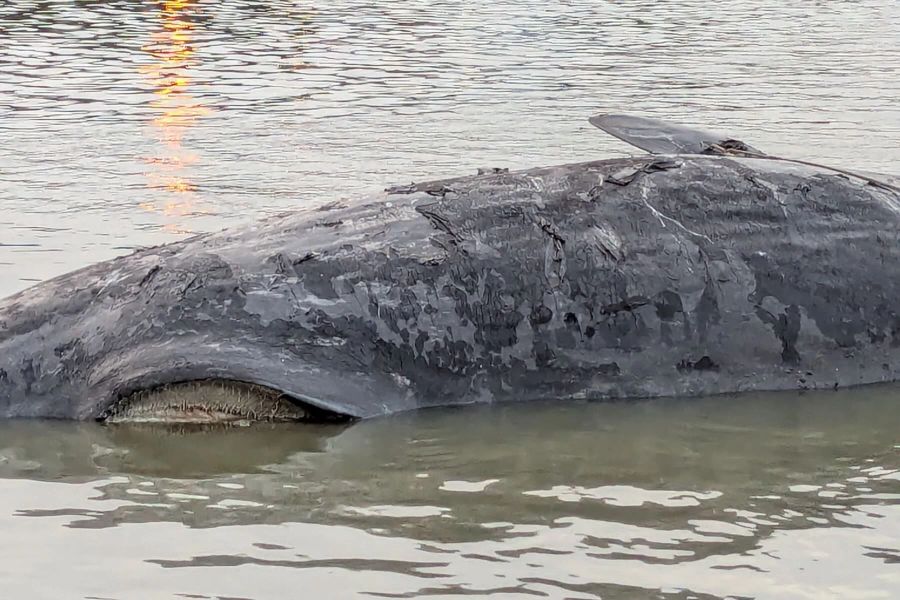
(127, 123)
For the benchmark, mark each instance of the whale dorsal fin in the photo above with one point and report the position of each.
(659, 137)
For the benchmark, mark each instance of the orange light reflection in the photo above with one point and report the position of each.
(178, 110)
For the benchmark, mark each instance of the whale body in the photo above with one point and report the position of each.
(662, 275)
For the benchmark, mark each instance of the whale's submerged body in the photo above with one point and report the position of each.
(627, 278)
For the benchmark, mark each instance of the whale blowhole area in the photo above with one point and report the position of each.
(214, 401)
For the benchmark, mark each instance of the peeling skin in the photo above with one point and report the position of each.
(686, 275)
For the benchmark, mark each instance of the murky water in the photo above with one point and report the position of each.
(765, 497)
(127, 123)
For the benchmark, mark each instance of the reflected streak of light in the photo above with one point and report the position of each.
(173, 53)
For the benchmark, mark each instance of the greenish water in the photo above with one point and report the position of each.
(134, 122)
(765, 496)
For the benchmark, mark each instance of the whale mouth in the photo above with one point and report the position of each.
(214, 401)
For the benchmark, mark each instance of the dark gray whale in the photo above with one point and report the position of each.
(681, 274)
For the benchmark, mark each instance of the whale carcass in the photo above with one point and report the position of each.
(704, 268)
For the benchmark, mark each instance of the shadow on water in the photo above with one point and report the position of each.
(81, 451)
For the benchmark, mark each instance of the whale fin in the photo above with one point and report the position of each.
(659, 137)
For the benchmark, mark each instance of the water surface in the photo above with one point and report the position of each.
(763, 496)
(127, 123)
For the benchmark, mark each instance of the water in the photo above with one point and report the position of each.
(127, 123)
(767, 497)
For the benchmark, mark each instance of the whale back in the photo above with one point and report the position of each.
(624, 278)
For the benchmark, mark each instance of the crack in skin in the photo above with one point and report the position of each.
(663, 218)
(702, 276)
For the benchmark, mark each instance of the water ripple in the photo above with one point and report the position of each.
(139, 122)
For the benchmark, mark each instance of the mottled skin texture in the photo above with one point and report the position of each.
(639, 277)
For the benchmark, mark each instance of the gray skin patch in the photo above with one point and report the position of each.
(205, 402)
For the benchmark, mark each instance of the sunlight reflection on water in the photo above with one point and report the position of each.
(136, 123)
(170, 76)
